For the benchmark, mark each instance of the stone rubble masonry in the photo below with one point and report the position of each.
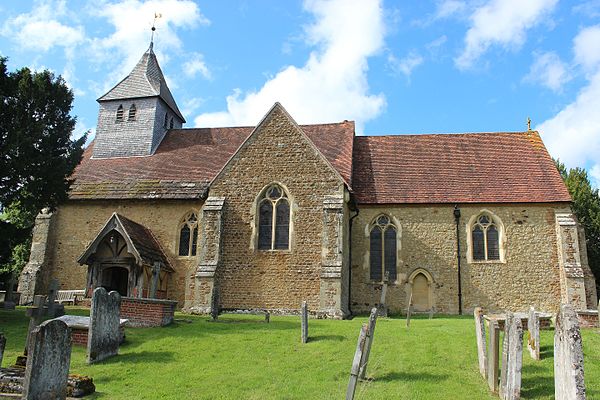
(588, 276)
(35, 274)
(104, 336)
(568, 356)
(48, 362)
(144, 313)
(512, 359)
(481, 342)
(533, 326)
(248, 278)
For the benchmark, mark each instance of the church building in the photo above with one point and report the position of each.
(271, 215)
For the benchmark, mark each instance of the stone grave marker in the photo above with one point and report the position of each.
(8, 303)
(492, 354)
(382, 307)
(2, 347)
(104, 336)
(512, 359)
(155, 278)
(368, 343)
(533, 327)
(47, 368)
(481, 344)
(36, 314)
(52, 294)
(409, 311)
(568, 356)
(304, 323)
(214, 304)
(356, 363)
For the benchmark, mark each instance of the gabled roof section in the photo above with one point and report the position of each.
(344, 162)
(140, 242)
(456, 168)
(145, 80)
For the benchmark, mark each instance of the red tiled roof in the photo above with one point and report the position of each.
(455, 168)
(188, 159)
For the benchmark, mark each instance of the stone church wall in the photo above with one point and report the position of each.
(528, 277)
(76, 224)
(251, 278)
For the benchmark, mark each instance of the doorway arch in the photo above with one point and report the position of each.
(420, 284)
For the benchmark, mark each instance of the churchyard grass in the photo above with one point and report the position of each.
(241, 357)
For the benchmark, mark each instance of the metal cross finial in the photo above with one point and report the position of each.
(528, 123)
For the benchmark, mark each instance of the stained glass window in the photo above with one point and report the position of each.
(274, 220)
(188, 235)
(383, 249)
(485, 239)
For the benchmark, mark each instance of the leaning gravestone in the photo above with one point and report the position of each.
(512, 359)
(533, 326)
(568, 356)
(103, 335)
(358, 354)
(2, 346)
(48, 362)
(304, 323)
(368, 343)
(480, 333)
(492, 354)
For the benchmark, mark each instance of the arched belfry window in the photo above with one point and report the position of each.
(166, 121)
(485, 238)
(188, 235)
(171, 123)
(119, 117)
(274, 219)
(132, 112)
(383, 248)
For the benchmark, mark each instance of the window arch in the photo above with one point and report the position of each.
(188, 235)
(486, 236)
(132, 112)
(274, 219)
(119, 117)
(166, 121)
(383, 248)
(171, 123)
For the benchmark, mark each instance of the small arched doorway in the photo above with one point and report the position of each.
(420, 283)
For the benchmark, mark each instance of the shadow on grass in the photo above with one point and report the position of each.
(412, 376)
(318, 338)
(140, 357)
(535, 385)
(546, 352)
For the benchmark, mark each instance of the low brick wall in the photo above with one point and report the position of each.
(147, 312)
(79, 336)
(588, 319)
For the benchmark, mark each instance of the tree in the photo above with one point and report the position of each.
(37, 155)
(586, 206)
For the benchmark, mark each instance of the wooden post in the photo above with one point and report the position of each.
(368, 343)
(304, 323)
(492, 356)
(356, 363)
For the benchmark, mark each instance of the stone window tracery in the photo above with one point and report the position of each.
(132, 112)
(383, 249)
(485, 239)
(188, 235)
(120, 112)
(274, 219)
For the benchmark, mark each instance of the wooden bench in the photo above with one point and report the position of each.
(69, 296)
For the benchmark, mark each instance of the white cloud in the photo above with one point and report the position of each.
(590, 9)
(449, 8)
(407, 64)
(501, 22)
(194, 65)
(191, 105)
(41, 29)
(332, 84)
(587, 48)
(548, 70)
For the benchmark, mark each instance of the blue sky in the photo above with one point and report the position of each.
(392, 66)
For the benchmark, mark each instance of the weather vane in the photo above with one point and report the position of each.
(156, 16)
(528, 123)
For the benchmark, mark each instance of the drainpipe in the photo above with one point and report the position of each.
(457, 219)
(353, 207)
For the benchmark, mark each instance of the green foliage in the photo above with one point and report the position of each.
(586, 206)
(37, 154)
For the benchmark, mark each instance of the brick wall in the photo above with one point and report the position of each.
(147, 312)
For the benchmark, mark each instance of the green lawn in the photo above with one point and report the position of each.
(241, 357)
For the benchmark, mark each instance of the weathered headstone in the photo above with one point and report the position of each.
(356, 363)
(382, 307)
(512, 359)
(214, 304)
(36, 315)
(533, 327)
(52, 294)
(48, 362)
(368, 343)
(8, 303)
(304, 323)
(154, 282)
(492, 355)
(104, 336)
(568, 356)
(2, 347)
(409, 311)
(481, 344)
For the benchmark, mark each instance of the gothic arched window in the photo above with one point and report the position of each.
(119, 113)
(383, 249)
(485, 239)
(132, 111)
(274, 219)
(188, 235)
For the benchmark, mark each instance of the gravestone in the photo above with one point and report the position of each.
(8, 303)
(382, 307)
(481, 344)
(409, 311)
(512, 359)
(368, 343)
(104, 336)
(52, 294)
(304, 323)
(214, 304)
(356, 363)
(47, 368)
(568, 356)
(155, 278)
(2, 347)
(533, 327)
(36, 315)
(492, 355)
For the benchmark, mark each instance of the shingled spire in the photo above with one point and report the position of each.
(136, 113)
